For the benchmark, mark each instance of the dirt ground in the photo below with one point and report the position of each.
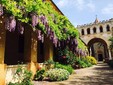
(100, 74)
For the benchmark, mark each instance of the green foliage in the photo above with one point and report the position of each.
(87, 62)
(39, 75)
(66, 56)
(111, 44)
(22, 77)
(110, 63)
(66, 67)
(92, 60)
(83, 63)
(21, 9)
(49, 64)
(81, 44)
(57, 74)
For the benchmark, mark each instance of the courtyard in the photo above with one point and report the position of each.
(100, 74)
(41, 45)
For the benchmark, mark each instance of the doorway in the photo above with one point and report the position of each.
(40, 52)
(14, 48)
(100, 57)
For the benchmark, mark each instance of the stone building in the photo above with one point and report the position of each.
(96, 36)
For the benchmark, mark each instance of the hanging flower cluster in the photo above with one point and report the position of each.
(39, 14)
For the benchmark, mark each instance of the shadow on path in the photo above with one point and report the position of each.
(100, 74)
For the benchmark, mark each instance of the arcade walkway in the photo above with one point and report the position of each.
(100, 74)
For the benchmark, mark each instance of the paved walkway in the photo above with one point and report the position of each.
(100, 74)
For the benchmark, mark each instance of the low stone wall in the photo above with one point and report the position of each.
(10, 71)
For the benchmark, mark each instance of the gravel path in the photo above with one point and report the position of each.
(100, 74)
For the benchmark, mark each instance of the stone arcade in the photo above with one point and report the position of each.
(96, 36)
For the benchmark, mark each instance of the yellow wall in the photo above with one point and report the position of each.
(30, 47)
(48, 51)
(2, 40)
(2, 51)
(2, 74)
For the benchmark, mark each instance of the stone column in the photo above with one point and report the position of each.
(91, 31)
(2, 52)
(104, 28)
(85, 32)
(48, 49)
(98, 30)
(109, 54)
(31, 49)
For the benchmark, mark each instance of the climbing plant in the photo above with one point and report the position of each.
(40, 15)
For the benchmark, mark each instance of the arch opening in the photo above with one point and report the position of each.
(98, 48)
(88, 31)
(94, 30)
(101, 29)
(82, 32)
(108, 28)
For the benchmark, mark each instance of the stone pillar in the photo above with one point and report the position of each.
(33, 64)
(109, 54)
(98, 30)
(85, 32)
(34, 47)
(2, 74)
(48, 49)
(31, 49)
(104, 28)
(2, 52)
(91, 31)
(2, 42)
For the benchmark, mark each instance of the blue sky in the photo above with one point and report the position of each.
(84, 11)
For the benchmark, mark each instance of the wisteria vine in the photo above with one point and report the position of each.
(39, 14)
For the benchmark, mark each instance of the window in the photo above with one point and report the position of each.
(108, 28)
(94, 30)
(88, 30)
(82, 32)
(101, 29)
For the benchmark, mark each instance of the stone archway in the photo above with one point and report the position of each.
(98, 48)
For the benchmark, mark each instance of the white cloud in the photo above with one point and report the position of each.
(62, 3)
(91, 6)
(108, 9)
(80, 4)
(84, 4)
(77, 4)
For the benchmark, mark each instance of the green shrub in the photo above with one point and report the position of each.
(22, 77)
(49, 64)
(110, 63)
(57, 74)
(39, 75)
(81, 63)
(65, 56)
(87, 62)
(92, 60)
(66, 67)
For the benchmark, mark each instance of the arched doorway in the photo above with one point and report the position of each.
(98, 48)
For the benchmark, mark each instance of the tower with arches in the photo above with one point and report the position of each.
(96, 36)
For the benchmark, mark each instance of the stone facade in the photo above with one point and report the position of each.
(98, 32)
